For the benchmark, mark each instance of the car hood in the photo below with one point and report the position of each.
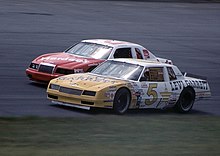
(64, 59)
(87, 81)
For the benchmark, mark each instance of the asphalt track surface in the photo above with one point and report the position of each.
(187, 33)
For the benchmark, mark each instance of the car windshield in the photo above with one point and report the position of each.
(93, 50)
(121, 70)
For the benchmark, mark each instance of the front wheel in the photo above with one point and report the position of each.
(121, 101)
(186, 100)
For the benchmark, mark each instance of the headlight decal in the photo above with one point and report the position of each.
(34, 66)
(54, 87)
(89, 93)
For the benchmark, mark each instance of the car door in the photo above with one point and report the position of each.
(153, 88)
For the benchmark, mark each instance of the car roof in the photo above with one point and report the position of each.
(112, 43)
(146, 63)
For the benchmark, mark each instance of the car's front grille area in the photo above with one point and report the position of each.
(70, 91)
(46, 69)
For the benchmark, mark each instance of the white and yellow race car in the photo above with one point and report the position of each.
(123, 84)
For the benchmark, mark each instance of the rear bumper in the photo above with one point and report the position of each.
(39, 76)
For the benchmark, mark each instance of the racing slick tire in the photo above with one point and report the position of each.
(121, 101)
(186, 100)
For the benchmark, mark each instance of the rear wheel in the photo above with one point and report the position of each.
(121, 101)
(186, 100)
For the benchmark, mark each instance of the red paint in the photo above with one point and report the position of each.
(60, 60)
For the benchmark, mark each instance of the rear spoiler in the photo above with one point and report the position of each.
(163, 60)
(194, 76)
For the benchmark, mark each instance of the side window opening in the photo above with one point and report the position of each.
(172, 75)
(123, 53)
(146, 54)
(138, 53)
(154, 74)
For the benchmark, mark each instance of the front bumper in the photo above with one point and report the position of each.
(39, 76)
(71, 105)
(79, 101)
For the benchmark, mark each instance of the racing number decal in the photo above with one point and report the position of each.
(151, 93)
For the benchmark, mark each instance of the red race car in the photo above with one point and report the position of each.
(83, 57)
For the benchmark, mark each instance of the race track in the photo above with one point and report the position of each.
(187, 33)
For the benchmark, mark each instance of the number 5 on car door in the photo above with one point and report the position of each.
(152, 94)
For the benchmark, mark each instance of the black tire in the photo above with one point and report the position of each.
(121, 101)
(186, 100)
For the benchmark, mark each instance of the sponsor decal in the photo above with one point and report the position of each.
(203, 94)
(111, 100)
(65, 78)
(93, 64)
(139, 98)
(197, 84)
(87, 78)
(112, 88)
(111, 93)
(134, 84)
(179, 85)
(144, 85)
(78, 71)
(80, 78)
(173, 98)
(51, 58)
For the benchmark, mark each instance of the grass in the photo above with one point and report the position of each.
(111, 135)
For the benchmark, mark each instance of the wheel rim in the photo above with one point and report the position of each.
(122, 101)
